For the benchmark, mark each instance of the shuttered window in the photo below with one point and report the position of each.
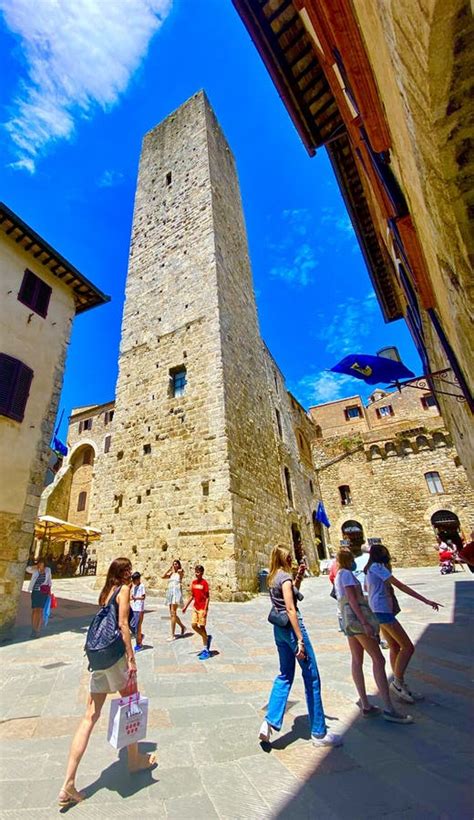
(15, 382)
(34, 293)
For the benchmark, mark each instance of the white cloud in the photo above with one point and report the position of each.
(322, 387)
(78, 54)
(351, 324)
(110, 178)
(294, 256)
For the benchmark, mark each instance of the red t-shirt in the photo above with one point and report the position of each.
(200, 593)
(468, 553)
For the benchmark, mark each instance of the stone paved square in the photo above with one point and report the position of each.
(204, 717)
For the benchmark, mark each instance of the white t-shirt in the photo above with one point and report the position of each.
(380, 599)
(344, 578)
(137, 606)
(361, 562)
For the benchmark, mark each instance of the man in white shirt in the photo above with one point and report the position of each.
(137, 605)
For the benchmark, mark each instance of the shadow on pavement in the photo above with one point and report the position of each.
(70, 616)
(116, 777)
(422, 770)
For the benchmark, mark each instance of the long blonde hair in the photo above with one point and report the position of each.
(280, 558)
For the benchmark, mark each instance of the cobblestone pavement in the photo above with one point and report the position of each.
(205, 716)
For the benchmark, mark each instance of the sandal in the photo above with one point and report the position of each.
(152, 762)
(372, 711)
(70, 799)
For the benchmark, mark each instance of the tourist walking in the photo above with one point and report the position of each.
(293, 644)
(40, 588)
(83, 562)
(174, 596)
(361, 629)
(103, 682)
(137, 605)
(383, 603)
(200, 598)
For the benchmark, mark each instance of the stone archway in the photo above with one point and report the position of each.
(447, 526)
(353, 531)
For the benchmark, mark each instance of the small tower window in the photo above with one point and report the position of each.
(168, 179)
(146, 449)
(81, 502)
(107, 442)
(278, 419)
(205, 488)
(434, 482)
(289, 490)
(345, 494)
(177, 381)
(353, 412)
(384, 411)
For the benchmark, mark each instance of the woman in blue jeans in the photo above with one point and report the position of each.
(293, 644)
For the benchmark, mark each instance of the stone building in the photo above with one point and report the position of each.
(209, 457)
(389, 470)
(41, 294)
(386, 87)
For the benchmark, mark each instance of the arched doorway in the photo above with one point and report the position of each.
(353, 531)
(446, 525)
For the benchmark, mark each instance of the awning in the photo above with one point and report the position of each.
(54, 529)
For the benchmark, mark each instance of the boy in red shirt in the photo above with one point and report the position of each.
(200, 596)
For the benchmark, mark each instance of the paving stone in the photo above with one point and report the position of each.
(197, 807)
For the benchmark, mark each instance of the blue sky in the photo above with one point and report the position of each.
(79, 91)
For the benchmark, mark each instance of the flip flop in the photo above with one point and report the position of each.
(152, 762)
(70, 800)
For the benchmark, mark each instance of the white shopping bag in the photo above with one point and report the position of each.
(127, 720)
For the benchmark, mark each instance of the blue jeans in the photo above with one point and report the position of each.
(286, 643)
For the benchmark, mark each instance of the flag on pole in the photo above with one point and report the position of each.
(59, 447)
(320, 515)
(372, 369)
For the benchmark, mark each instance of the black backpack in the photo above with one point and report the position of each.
(104, 643)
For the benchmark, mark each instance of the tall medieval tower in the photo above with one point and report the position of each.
(194, 470)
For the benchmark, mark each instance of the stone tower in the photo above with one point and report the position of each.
(194, 470)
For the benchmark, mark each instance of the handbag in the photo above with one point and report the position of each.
(45, 589)
(333, 593)
(350, 622)
(278, 618)
(128, 719)
(396, 608)
(54, 601)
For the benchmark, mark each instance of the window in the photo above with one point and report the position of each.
(168, 178)
(34, 293)
(289, 491)
(146, 449)
(434, 482)
(177, 381)
(15, 382)
(107, 442)
(87, 457)
(345, 494)
(81, 501)
(386, 410)
(85, 425)
(108, 416)
(428, 401)
(278, 418)
(318, 431)
(353, 412)
(205, 487)
(311, 488)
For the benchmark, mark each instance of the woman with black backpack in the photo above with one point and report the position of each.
(112, 664)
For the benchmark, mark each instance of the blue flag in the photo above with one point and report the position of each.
(320, 515)
(372, 369)
(59, 447)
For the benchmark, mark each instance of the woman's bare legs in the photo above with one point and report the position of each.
(394, 649)
(175, 619)
(396, 632)
(357, 654)
(79, 744)
(36, 619)
(378, 666)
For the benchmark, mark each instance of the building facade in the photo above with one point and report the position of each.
(389, 470)
(209, 457)
(386, 87)
(41, 294)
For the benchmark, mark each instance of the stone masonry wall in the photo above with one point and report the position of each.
(196, 476)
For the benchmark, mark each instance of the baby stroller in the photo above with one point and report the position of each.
(446, 562)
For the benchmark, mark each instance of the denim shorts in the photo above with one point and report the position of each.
(385, 617)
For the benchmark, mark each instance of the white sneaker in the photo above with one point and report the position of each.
(401, 692)
(329, 739)
(265, 732)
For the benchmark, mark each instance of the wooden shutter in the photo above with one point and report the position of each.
(35, 293)
(15, 382)
(43, 295)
